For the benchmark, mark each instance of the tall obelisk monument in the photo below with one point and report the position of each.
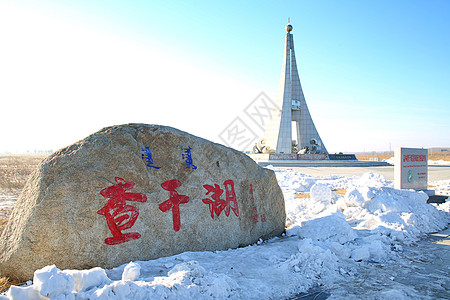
(293, 106)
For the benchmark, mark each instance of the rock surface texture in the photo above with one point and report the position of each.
(138, 192)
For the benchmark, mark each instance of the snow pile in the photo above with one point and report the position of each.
(316, 262)
(441, 187)
(439, 162)
(396, 215)
(187, 280)
(131, 272)
(330, 239)
(390, 160)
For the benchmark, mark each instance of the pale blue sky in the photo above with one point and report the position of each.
(375, 74)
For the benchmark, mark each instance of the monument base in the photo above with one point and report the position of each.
(293, 156)
(309, 160)
(286, 156)
(320, 163)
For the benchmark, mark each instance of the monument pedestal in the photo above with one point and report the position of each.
(294, 156)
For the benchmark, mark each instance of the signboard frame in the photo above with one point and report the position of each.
(411, 168)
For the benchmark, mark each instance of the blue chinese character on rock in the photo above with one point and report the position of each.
(147, 157)
(187, 156)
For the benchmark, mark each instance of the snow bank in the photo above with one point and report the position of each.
(187, 280)
(442, 187)
(439, 162)
(330, 239)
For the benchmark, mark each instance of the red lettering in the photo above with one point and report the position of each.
(120, 216)
(252, 199)
(230, 197)
(263, 218)
(174, 201)
(414, 157)
(216, 204)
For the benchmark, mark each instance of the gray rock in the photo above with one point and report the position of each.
(138, 192)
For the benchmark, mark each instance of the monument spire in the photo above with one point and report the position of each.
(293, 106)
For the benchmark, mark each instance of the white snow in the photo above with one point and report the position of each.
(131, 272)
(7, 201)
(330, 239)
(442, 187)
(439, 162)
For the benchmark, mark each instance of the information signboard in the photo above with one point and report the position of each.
(411, 169)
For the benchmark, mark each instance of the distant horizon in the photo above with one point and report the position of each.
(48, 152)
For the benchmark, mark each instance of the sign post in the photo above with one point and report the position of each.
(411, 169)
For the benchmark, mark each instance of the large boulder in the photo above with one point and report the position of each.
(138, 192)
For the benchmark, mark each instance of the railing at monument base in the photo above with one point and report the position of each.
(293, 156)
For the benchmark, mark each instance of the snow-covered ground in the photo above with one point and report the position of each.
(349, 241)
(438, 162)
(7, 201)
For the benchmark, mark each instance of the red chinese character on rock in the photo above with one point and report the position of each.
(263, 217)
(252, 199)
(174, 201)
(230, 197)
(216, 205)
(120, 216)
